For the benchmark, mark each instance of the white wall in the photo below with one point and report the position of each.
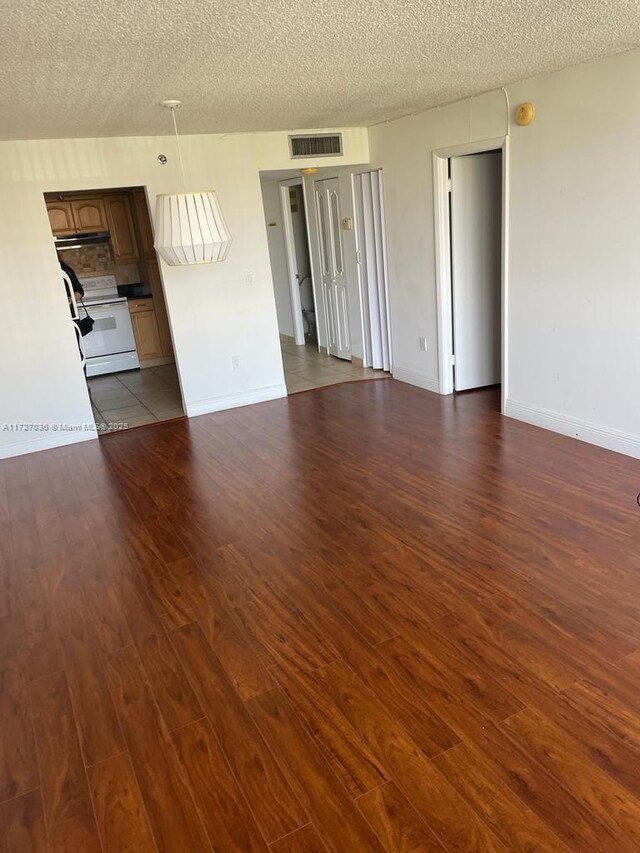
(214, 313)
(277, 256)
(573, 316)
(574, 303)
(404, 149)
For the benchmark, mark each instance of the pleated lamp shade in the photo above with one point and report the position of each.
(190, 229)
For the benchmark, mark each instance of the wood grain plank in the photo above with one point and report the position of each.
(304, 840)
(616, 809)
(438, 803)
(18, 768)
(66, 800)
(535, 656)
(172, 813)
(108, 615)
(396, 822)
(286, 631)
(22, 828)
(466, 699)
(575, 823)
(234, 646)
(44, 656)
(341, 826)
(223, 808)
(120, 811)
(606, 711)
(343, 748)
(603, 730)
(176, 699)
(339, 588)
(100, 735)
(277, 811)
(397, 694)
(515, 824)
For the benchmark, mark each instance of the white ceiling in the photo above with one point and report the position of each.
(73, 68)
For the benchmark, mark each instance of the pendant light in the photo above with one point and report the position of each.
(190, 227)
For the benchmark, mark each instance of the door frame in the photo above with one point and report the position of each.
(442, 222)
(147, 194)
(290, 254)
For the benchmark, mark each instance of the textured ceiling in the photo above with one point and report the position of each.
(80, 68)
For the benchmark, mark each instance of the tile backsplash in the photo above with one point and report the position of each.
(100, 260)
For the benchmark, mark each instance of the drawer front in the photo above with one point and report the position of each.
(140, 305)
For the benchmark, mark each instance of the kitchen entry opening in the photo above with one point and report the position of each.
(111, 279)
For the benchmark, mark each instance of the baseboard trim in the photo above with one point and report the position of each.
(611, 439)
(418, 379)
(234, 401)
(46, 442)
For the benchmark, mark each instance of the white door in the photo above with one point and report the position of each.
(292, 262)
(372, 269)
(476, 239)
(334, 282)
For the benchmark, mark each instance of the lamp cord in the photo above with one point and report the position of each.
(175, 128)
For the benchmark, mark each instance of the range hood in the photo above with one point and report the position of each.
(79, 241)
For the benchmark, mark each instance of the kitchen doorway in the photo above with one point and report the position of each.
(109, 267)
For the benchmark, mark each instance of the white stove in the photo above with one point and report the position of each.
(110, 346)
(101, 289)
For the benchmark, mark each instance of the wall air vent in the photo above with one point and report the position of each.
(315, 145)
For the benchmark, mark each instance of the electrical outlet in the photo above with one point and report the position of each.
(249, 279)
(235, 362)
(423, 344)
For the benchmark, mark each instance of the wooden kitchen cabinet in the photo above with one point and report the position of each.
(89, 214)
(143, 225)
(120, 224)
(155, 283)
(145, 329)
(77, 216)
(61, 217)
(149, 267)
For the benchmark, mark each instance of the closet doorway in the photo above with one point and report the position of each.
(471, 275)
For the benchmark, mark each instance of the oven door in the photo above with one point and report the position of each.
(110, 346)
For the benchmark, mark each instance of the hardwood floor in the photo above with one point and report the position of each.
(363, 618)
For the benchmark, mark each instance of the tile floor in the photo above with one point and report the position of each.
(138, 397)
(135, 397)
(305, 368)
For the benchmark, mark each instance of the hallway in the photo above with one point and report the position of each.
(305, 368)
